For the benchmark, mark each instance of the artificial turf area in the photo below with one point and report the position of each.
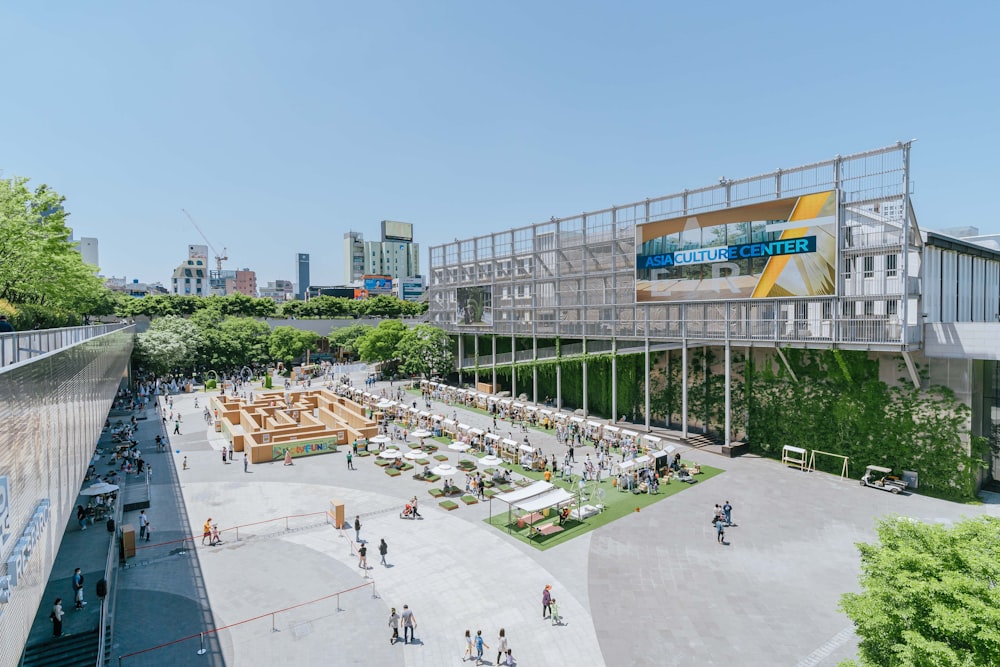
(616, 505)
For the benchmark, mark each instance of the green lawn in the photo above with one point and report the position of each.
(617, 504)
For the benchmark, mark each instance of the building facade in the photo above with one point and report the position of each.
(827, 256)
(396, 255)
(278, 290)
(88, 248)
(301, 274)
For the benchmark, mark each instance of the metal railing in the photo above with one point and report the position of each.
(19, 346)
(110, 578)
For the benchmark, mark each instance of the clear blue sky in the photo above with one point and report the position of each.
(281, 125)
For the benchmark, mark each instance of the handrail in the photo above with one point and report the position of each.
(201, 635)
(110, 571)
(18, 346)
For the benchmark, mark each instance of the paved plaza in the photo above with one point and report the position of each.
(654, 588)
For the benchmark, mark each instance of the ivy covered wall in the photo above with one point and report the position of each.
(842, 402)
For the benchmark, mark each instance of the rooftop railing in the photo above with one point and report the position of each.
(20, 346)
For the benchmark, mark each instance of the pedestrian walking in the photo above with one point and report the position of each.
(224, 448)
(177, 427)
(727, 509)
(501, 645)
(468, 646)
(720, 530)
(480, 645)
(409, 624)
(149, 530)
(288, 457)
(547, 601)
(246, 462)
(413, 504)
(206, 531)
(143, 523)
(394, 626)
(556, 618)
(363, 557)
(57, 616)
(185, 463)
(350, 460)
(78, 589)
(357, 528)
(383, 549)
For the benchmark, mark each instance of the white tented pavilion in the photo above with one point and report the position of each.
(533, 498)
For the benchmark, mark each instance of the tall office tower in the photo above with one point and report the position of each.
(88, 250)
(302, 273)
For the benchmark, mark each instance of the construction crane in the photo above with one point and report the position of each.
(219, 258)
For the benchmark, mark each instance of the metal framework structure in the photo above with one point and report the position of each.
(575, 277)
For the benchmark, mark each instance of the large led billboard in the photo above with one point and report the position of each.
(377, 284)
(475, 305)
(393, 230)
(782, 248)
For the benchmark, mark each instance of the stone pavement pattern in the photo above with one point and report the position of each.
(653, 588)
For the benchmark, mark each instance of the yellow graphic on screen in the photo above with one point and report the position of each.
(811, 273)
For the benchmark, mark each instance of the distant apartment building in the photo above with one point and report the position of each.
(396, 255)
(277, 290)
(191, 278)
(134, 288)
(302, 274)
(246, 282)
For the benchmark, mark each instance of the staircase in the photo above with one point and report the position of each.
(704, 441)
(73, 650)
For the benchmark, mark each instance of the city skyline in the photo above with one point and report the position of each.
(280, 130)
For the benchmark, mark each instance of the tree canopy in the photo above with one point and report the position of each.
(170, 344)
(930, 595)
(425, 350)
(379, 344)
(240, 305)
(39, 265)
(288, 343)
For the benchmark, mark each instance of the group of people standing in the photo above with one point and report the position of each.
(722, 519)
(477, 644)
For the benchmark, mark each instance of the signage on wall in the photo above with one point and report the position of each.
(775, 249)
(17, 561)
(4, 510)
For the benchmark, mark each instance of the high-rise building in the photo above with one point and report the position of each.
(396, 255)
(302, 274)
(354, 256)
(87, 247)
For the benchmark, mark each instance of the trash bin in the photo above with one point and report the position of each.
(111, 525)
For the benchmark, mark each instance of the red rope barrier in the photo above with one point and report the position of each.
(247, 620)
(243, 525)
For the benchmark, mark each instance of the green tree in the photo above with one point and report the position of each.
(287, 344)
(930, 595)
(170, 344)
(425, 350)
(346, 338)
(39, 264)
(379, 344)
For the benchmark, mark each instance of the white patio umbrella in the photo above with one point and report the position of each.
(382, 405)
(444, 470)
(389, 454)
(99, 489)
(414, 454)
(490, 461)
(380, 438)
(421, 433)
(458, 446)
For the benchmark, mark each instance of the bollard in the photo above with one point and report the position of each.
(338, 603)
(201, 638)
(286, 524)
(273, 628)
(237, 533)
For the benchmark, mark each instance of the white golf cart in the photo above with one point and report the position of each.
(878, 477)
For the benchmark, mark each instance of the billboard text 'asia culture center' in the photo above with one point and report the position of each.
(783, 248)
